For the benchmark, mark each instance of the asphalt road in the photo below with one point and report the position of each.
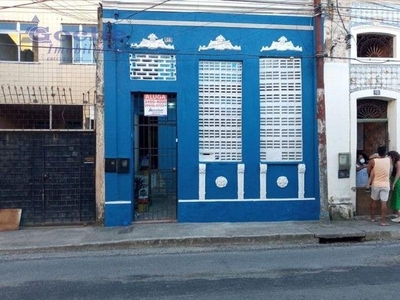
(345, 271)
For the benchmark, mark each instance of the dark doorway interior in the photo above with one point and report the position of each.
(372, 131)
(155, 162)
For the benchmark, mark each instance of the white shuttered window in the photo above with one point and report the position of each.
(281, 133)
(220, 111)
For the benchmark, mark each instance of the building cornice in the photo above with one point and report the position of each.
(268, 7)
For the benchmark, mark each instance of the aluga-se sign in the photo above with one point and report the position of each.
(155, 105)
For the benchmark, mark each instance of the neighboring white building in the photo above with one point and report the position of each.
(47, 97)
(47, 47)
(362, 91)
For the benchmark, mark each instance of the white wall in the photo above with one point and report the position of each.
(341, 127)
(393, 124)
(338, 130)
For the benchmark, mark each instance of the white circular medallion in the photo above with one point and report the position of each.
(221, 181)
(282, 181)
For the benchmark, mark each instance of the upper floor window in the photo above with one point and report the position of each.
(77, 44)
(374, 45)
(16, 42)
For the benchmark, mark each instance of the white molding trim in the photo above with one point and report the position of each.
(246, 200)
(301, 172)
(118, 202)
(240, 177)
(202, 181)
(209, 24)
(263, 181)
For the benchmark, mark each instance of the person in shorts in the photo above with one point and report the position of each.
(380, 187)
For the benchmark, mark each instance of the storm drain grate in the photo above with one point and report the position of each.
(341, 239)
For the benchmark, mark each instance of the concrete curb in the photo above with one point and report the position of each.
(382, 235)
(280, 239)
(186, 235)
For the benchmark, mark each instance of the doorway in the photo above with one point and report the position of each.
(372, 131)
(155, 156)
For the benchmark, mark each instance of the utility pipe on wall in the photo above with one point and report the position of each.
(321, 120)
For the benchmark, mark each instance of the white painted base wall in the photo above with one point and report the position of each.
(339, 128)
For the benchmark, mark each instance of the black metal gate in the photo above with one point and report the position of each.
(155, 163)
(50, 175)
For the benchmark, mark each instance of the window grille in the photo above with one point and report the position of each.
(281, 109)
(152, 67)
(220, 111)
(374, 45)
(46, 117)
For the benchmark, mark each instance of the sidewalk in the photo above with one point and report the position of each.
(174, 234)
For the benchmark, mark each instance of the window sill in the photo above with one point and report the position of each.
(19, 62)
(76, 64)
(375, 60)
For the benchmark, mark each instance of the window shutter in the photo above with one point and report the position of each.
(220, 111)
(281, 109)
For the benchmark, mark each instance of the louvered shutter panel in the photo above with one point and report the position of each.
(220, 110)
(281, 109)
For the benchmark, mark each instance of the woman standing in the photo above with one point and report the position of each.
(361, 171)
(395, 186)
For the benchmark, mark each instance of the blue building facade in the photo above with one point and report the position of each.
(224, 101)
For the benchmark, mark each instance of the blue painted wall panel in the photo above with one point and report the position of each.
(186, 40)
(248, 211)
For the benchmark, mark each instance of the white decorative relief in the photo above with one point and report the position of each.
(282, 45)
(301, 168)
(240, 177)
(263, 181)
(152, 43)
(220, 43)
(221, 182)
(202, 181)
(282, 181)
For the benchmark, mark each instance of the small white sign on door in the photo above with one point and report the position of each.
(155, 105)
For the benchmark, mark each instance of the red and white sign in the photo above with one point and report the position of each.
(155, 105)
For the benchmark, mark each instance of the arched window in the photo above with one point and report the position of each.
(374, 45)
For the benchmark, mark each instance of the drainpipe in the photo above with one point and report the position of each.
(323, 182)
